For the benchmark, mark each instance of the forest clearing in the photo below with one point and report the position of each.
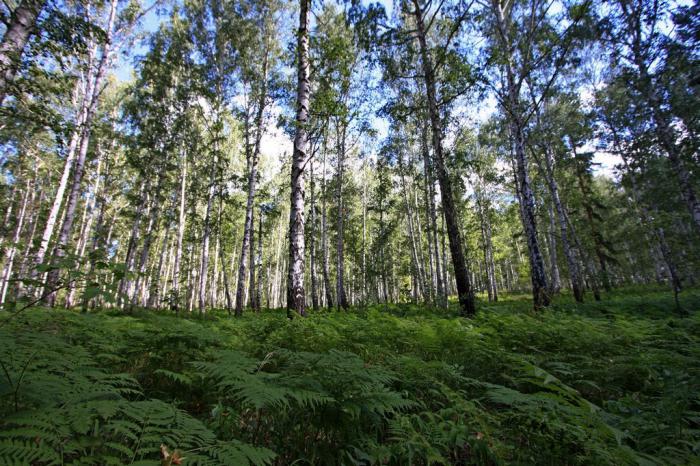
(349, 232)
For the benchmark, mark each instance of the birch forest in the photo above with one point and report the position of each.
(349, 232)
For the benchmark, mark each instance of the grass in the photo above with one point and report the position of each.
(613, 382)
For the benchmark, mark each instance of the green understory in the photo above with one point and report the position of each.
(609, 383)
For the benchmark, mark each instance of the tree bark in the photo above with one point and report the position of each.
(259, 263)
(175, 290)
(19, 30)
(340, 245)
(324, 238)
(430, 188)
(296, 298)
(411, 233)
(464, 291)
(153, 221)
(11, 250)
(312, 239)
(486, 234)
(252, 162)
(204, 263)
(85, 131)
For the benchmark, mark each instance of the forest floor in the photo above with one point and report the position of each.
(608, 383)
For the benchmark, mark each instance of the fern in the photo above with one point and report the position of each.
(58, 407)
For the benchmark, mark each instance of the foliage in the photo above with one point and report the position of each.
(602, 383)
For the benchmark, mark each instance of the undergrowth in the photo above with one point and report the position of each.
(609, 383)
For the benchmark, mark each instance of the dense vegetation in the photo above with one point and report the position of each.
(599, 384)
(349, 232)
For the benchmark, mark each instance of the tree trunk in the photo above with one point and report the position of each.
(11, 250)
(153, 298)
(85, 130)
(312, 239)
(20, 28)
(663, 128)
(340, 246)
(586, 194)
(87, 225)
(464, 291)
(555, 282)
(204, 263)
(324, 238)
(175, 290)
(153, 221)
(296, 298)
(131, 247)
(537, 272)
(258, 288)
(491, 287)
(251, 265)
(411, 235)
(430, 197)
(252, 161)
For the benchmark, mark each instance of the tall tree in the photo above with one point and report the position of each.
(21, 26)
(296, 298)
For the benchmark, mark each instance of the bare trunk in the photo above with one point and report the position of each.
(665, 132)
(312, 239)
(175, 291)
(596, 234)
(11, 250)
(20, 28)
(85, 130)
(464, 291)
(324, 239)
(227, 290)
(364, 234)
(485, 222)
(296, 298)
(411, 235)
(214, 297)
(555, 282)
(204, 262)
(430, 199)
(574, 272)
(340, 247)
(258, 264)
(87, 224)
(148, 240)
(251, 265)
(131, 247)
(537, 272)
(154, 294)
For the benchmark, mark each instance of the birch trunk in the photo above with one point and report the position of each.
(555, 283)
(430, 187)
(259, 264)
(11, 251)
(312, 238)
(248, 238)
(204, 262)
(340, 246)
(148, 240)
(175, 291)
(324, 238)
(20, 28)
(464, 291)
(85, 131)
(409, 224)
